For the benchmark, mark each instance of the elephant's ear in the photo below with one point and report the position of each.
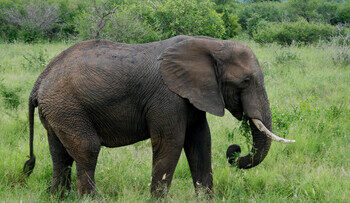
(188, 70)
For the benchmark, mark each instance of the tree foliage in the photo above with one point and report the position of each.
(134, 21)
(300, 31)
(145, 21)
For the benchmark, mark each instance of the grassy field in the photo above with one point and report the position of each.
(309, 92)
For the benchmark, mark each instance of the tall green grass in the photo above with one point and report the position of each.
(309, 94)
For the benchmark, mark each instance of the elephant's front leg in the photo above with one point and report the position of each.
(198, 152)
(167, 143)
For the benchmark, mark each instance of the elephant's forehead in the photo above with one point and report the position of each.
(236, 70)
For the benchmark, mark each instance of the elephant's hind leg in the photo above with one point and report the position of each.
(62, 163)
(84, 147)
(79, 138)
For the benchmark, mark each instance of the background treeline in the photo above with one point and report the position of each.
(134, 21)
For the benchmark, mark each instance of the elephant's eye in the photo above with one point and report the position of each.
(246, 81)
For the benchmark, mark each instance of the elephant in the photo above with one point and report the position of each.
(101, 93)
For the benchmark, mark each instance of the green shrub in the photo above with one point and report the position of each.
(231, 24)
(9, 96)
(284, 117)
(286, 55)
(65, 28)
(8, 33)
(327, 11)
(146, 21)
(33, 20)
(229, 5)
(288, 32)
(29, 36)
(252, 13)
(302, 8)
(129, 29)
(252, 23)
(338, 49)
(342, 14)
(150, 20)
(341, 55)
(35, 61)
(122, 25)
(191, 17)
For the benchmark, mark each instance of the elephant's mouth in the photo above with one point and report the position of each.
(237, 113)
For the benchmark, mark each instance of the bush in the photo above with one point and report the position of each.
(289, 32)
(68, 10)
(285, 56)
(338, 49)
(251, 14)
(9, 96)
(231, 24)
(130, 29)
(148, 21)
(342, 14)
(327, 11)
(91, 20)
(33, 20)
(36, 60)
(302, 8)
(229, 5)
(114, 22)
(8, 33)
(191, 17)
(341, 55)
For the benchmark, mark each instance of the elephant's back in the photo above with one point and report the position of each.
(99, 73)
(95, 63)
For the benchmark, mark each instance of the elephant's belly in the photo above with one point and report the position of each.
(119, 127)
(121, 138)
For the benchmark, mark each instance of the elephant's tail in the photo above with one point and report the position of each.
(29, 165)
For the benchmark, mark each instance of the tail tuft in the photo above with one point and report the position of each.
(29, 166)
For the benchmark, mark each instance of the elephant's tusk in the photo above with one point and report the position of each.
(269, 134)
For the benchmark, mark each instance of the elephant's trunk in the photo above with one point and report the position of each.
(262, 137)
(261, 146)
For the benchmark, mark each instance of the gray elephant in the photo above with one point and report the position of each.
(100, 93)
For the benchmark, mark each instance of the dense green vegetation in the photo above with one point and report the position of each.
(134, 21)
(309, 91)
(303, 47)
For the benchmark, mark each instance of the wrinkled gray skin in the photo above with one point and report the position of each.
(99, 93)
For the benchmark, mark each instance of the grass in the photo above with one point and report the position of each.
(309, 94)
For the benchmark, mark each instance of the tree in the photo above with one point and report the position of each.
(303, 8)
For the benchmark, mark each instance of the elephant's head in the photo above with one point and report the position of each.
(217, 74)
